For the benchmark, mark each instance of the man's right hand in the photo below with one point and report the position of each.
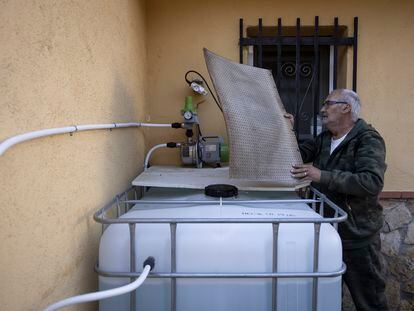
(290, 117)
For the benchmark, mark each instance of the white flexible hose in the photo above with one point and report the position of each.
(148, 156)
(6, 144)
(9, 142)
(155, 124)
(101, 294)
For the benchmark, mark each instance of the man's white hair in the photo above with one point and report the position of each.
(352, 98)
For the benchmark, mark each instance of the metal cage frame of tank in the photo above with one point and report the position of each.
(124, 201)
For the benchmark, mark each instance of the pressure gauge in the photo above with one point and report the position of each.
(188, 115)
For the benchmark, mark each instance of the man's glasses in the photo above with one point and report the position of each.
(327, 103)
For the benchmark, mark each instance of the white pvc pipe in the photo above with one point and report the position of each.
(7, 143)
(149, 153)
(102, 294)
(156, 124)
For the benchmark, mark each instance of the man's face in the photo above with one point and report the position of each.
(332, 110)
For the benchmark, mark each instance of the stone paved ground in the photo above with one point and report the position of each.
(397, 248)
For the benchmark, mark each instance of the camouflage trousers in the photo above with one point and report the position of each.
(365, 277)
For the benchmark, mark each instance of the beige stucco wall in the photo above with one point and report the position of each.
(82, 62)
(178, 30)
(64, 63)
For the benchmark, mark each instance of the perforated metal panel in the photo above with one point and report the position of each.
(263, 146)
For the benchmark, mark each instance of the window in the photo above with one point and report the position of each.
(320, 53)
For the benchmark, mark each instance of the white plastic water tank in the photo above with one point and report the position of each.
(222, 248)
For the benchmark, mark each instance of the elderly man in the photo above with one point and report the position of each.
(348, 165)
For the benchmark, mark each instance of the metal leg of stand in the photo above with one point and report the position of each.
(132, 296)
(173, 231)
(275, 227)
(317, 229)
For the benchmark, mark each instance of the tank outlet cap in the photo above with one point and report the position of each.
(149, 261)
(221, 190)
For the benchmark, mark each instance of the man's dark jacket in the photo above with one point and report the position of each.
(352, 177)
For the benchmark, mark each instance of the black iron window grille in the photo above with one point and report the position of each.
(306, 62)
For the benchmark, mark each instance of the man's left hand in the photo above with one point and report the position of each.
(306, 172)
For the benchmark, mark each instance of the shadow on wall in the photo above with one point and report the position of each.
(119, 158)
(122, 151)
(126, 148)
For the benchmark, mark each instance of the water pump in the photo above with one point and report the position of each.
(200, 150)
